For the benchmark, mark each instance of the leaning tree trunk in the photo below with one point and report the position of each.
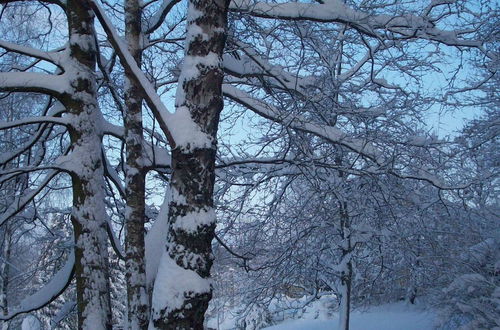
(86, 167)
(137, 298)
(182, 288)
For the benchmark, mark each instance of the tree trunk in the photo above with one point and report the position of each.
(86, 167)
(346, 247)
(5, 273)
(346, 270)
(137, 299)
(182, 289)
(7, 197)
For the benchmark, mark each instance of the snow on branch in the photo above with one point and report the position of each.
(113, 239)
(33, 82)
(179, 127)
(33, 120)
(21, 201)
(112, 175)
(154, 156)
(331, 134)
(16, 171)
(254, 65)
(155, 241)
(348, 74)
(280, 166)
(150, 96)
(61, 3)
(40, 134)
(63, 313)
(47, 293)
(112, 129)
(52, 57)
(408, 26)
(157, 19)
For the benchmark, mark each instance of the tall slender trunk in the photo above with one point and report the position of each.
(86, 166)
(346, 273)
(182, 289)
(137, 299)
(5, 273)
(346, 270)
(6, 198)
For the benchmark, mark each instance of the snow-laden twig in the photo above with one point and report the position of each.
(330, 133)
(155, 21)
(27, 197)
(52, 57)
(48, 293)
(407, 26)
(33, 120)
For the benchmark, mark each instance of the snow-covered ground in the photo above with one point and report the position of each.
(388, 317)
(297, 314)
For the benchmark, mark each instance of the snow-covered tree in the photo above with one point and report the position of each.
(337, 93)
(70, 89)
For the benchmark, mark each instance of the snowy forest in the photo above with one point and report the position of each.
(249, 164)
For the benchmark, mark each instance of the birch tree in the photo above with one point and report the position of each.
(138, 302)
(191, 132)
(75, 88)
(182, 289)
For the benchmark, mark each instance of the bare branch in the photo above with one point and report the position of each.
(47, 293)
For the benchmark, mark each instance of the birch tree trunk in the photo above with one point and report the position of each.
(182, 289)
(86, 167)
(5, 273)
(345, 223)
(346, 269)
(6, 198)
(137, 299)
